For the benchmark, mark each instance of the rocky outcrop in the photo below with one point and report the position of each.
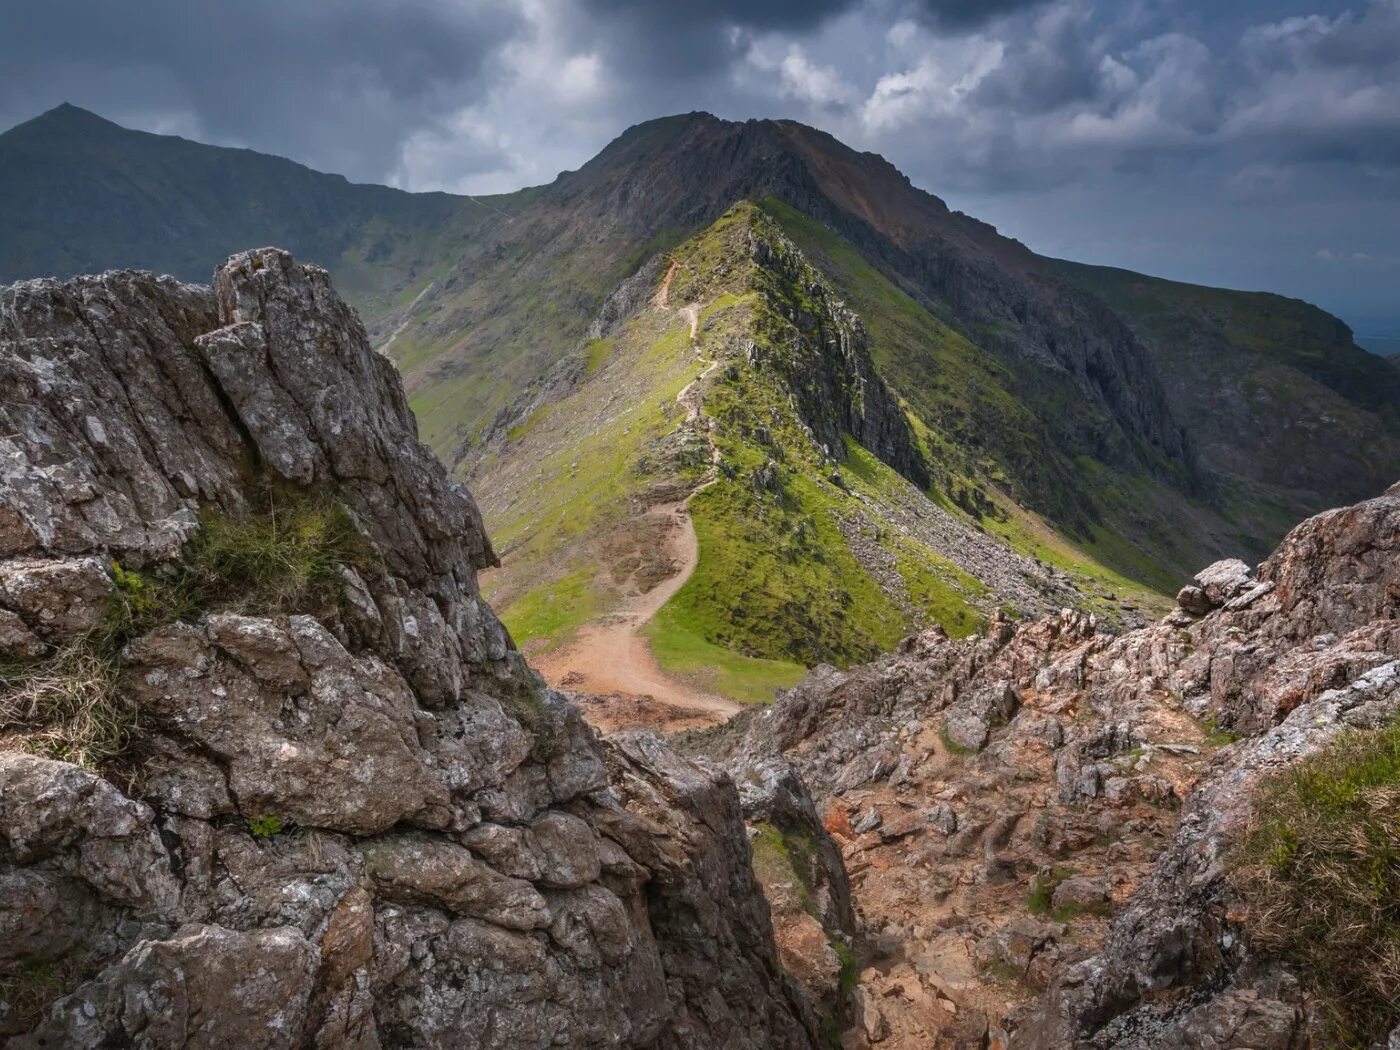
(823, 358)
(1037, 822)
(804, 880)
(1175, 969)
(360, 823)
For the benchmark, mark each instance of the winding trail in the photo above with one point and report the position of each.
(407, 316)
(611, 655)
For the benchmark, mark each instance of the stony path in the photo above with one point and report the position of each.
(610, 655)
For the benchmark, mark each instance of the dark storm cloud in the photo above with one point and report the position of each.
(661, 38)
(758, 14)
(965, 13)
(1056, 65)
(1131, 132)
(337, 84)
(683, 39)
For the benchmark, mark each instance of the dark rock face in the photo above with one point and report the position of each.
(456, 860)
(827, 365)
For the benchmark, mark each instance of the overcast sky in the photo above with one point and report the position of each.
(1239, 142)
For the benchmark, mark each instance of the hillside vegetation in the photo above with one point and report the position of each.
(933, 423)
(810, 551)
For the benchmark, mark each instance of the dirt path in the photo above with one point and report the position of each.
(663, 294)
(610, 655)
(407, 316)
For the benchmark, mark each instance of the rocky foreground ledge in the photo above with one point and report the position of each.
(1045, 827)
(322, 804)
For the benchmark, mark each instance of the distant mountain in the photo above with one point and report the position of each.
(945, 388)
(79, 194)
(1286, 410)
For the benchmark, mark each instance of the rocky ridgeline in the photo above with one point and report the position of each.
(364, 823)
(1038, 823)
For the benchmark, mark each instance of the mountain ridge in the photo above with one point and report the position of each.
(1050, 415)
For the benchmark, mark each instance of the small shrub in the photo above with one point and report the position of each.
(1217, 735)
(1043, 890)
(264, 827)
(1319, 872)
(850, 964)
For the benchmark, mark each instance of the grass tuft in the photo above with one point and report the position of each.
(1216, 734)
(264, 827)
(1038, 901)
(29, 988)
(285, 556)
(1319, 872)
(67, 707)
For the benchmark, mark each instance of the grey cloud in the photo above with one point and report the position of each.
(966, 13)
(665, 39)
(1054, 65)
(1059, 119)
(336, 85)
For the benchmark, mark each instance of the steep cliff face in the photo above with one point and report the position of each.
(1041, 823)
(1284, 407)
(820, 349)
(323, 800)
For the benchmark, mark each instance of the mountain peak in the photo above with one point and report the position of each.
(65, 119)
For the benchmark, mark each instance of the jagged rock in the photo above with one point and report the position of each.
(1027, 946)
(811, 899)
(1109, 781)
(204, 987)
(768, 478)
(970, 720)
(365, 824)
(59, 599)
(1175, 932)
(867, 821)
(1080, 892)
(1223, 580)
(1193, 600)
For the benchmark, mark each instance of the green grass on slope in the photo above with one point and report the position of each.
(939, 589)
(1029, 534)
(682, 652)
(776, 577)
(777, 581)
(778, 586)
(572, 470)
(1319, 871)
(1286, 331)
(960, 393)
(553, 609)
(981, 435)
